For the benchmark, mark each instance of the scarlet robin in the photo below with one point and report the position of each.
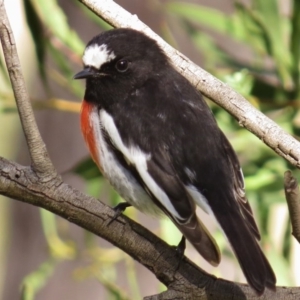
(155, 139)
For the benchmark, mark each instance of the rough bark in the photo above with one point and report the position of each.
(292, 196)
(40, 185)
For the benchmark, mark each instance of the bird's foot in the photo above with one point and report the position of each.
(181, 248)
(119, 209)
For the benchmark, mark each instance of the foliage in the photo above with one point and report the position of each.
(268, 77)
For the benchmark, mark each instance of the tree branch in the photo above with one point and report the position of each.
(39, 185)
(249, 117)
(38, 153)
(186, 282)
(292, 196)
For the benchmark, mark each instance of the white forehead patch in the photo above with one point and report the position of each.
(95, 56)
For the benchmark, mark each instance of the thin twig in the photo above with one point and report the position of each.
(40, 160)
(52, 103)
(292, 196)
(26, 184)
(249, 117)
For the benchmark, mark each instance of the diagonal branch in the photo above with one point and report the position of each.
(39, 156)
(249, 117)
(39, 185)
(186, 282)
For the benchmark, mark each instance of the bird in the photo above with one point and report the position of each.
(155, 139)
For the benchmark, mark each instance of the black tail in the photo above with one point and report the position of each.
(253, 262)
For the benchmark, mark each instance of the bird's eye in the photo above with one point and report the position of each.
(122, 65)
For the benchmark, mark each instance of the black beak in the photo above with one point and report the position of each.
(85, 73)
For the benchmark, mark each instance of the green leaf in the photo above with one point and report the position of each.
(37, 279)
(200, 14)
(241, 81)
(59, 248)
(267, 16)
(295, 46)
(94, 187)
(260, 179)
(37, 32)
(56, 21)
(206, 44)
(87, 169)
(63, 64)
(251, 26)
(230, 25)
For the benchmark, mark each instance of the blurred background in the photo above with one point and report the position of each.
(251, 45)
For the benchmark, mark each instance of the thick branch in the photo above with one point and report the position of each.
(188, 282)
(249, 117)
(48, 191)
(37, 149)
(292, 196)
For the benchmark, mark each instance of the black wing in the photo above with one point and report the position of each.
(207, 154)
(155, 173)
(160, 169)
(168, 119)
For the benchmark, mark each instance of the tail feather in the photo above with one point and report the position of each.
(248, 215)
(197, 234)
(253, 262)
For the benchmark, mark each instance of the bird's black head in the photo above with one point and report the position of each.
(119, 61)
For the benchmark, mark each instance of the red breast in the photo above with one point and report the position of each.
(89, 131)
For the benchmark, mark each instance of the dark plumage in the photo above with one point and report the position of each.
(155, 139)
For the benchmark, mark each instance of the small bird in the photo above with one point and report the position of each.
(155, 139)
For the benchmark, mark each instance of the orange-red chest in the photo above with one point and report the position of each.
(88, 112)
